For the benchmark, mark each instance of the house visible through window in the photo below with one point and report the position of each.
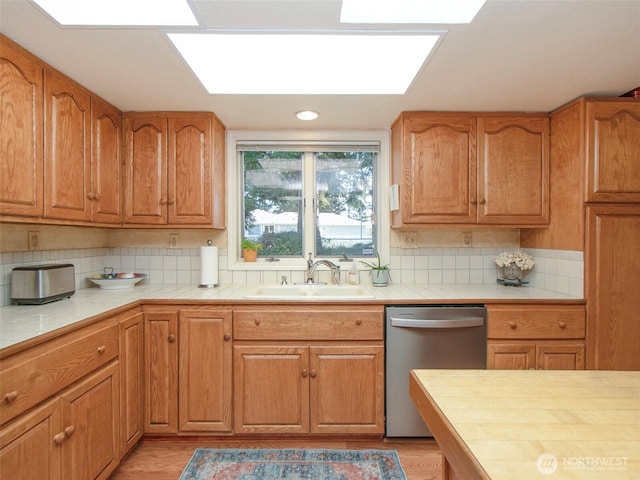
(309, 198)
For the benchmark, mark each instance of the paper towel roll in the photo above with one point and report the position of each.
(208, 266)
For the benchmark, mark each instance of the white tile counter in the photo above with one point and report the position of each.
(19, 323)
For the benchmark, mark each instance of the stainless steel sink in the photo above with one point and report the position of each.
(310, 291)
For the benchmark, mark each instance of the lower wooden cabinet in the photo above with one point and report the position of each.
(303, 371)
(131, 381)
(546, 337)
(188, 371)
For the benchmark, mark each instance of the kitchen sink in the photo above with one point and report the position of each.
(338, 292)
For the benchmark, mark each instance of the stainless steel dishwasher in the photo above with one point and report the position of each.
(434, 336)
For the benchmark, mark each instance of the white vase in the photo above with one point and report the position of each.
(380, 278)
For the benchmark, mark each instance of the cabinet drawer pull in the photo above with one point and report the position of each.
(358, 322)
(68, 431)
(11, 396)
(563, 325)
(91, 196)
(482, 201)
(102, 349)
(257, 321)
(513, 325)
(227, 337)
(474, 201)
(313, 373)
(171, 338)
(170, 201)
(305, 373)
(59, 438)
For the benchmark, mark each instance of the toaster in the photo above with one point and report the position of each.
(38, 284)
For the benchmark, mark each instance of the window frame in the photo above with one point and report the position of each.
(235, 186)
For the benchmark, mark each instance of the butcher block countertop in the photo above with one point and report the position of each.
(533, 424)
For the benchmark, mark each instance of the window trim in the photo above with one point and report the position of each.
(234, 187)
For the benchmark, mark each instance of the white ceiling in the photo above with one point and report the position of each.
(528, 55)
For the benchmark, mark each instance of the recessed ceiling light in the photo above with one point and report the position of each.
(120, 12)
(307, 115)
(409, 11)
(299, 63)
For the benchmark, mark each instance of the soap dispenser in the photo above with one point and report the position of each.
(353, 274)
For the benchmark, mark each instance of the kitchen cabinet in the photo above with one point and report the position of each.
(105, 194)
(187, 370)
(21, 132)
(613, 276)
(205, 370)
(459, 168)
(536, 337)
(309, 371)
(174, 169)
(131, 380)
(60, 407)
(67, 154)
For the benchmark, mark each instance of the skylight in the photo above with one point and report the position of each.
(409, 11)
(288, 63)
(120, 12)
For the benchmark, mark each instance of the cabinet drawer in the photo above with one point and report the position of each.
(31, 376)
(330, 324)
(536, 322)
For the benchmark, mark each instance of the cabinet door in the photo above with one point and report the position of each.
(513, 170)
(205, 371)
(146, 170)
(190, 197)
(131, 382)
(511, 355)
(161, 372)
(67, 148)
(438, 174)
(271, 389)
(30, 447)
(554, 356)
(21, 137)
(90, 423)
(106, 163)
(347, 389)
(613, 151)
(612, 278)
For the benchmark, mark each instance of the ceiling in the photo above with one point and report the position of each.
(529, 55)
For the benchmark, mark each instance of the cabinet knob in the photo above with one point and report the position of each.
(257, 321)
(563, 325)
(91, 196)
(474, 201)
(171, 338)
(358, 322)
(513, 325)
(68, 431)
(305, 373)
(102, 349)
(313, 373)
(170, 201)
(11, 396)
(96, 196)
(482, 201)
(227, 337)
(59, 438)
(163, 201)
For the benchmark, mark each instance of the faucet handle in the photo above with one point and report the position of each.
(283, 280)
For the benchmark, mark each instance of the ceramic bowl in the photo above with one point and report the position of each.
(108, 282)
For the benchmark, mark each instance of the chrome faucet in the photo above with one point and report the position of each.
(311, 268)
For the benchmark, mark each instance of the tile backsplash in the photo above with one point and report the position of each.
(556, 270)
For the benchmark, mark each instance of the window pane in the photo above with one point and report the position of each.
(344, 203)
(272, 209)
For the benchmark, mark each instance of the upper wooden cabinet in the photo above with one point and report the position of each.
(456, 168)
(67, 165)
(174, 169)
(21, 137)
(613, 151)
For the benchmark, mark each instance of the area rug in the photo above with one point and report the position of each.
(288, 464)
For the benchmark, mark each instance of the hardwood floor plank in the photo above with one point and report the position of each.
(164, 459)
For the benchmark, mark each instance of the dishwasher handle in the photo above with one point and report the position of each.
(437, 323)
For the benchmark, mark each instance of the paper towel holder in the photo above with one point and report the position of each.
(209, 285)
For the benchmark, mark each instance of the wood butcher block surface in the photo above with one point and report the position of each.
(533, 424)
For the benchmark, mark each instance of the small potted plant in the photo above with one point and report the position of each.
(380, 275)
(250, 250)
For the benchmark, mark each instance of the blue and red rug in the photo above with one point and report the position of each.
(259, 464)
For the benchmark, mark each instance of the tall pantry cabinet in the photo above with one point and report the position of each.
(595, 207)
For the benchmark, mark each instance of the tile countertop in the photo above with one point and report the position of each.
(19, 323)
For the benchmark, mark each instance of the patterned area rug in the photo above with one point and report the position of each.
(250, 464)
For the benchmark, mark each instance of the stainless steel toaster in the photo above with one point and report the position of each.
(38, 284)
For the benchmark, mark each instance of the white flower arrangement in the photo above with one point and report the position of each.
(521, 260)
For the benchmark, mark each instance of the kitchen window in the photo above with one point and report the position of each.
(300, 196)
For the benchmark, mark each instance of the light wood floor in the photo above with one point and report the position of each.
(161, 459)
